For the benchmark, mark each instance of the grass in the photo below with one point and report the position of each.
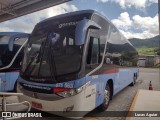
(156, 67)
(146, 51)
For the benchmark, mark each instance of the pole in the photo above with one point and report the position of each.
(4, 106)
(159, 14)
(159, 30)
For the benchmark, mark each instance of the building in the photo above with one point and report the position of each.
(148, 60)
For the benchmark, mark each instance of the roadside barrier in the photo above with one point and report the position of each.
(5, 104)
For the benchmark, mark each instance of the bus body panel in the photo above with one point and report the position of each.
(78, 103)
(93, 80)
(84, 101)
(8, 81)
(11, 78)
(124, 77)
(2, 81)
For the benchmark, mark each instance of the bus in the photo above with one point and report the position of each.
(11, 54)
(76, 62)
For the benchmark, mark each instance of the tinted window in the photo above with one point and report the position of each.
(52, 54)
(120, 51)
(6, 56)
(3, 49)
(95, 51)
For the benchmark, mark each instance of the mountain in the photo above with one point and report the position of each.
(149, 46)
(147, 43)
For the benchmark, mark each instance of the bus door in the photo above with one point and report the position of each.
(92, 92)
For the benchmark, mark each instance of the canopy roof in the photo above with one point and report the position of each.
(10, 9)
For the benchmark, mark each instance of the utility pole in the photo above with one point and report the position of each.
(159, 32)
(159, 14)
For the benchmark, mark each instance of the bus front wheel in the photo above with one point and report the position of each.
(15, 87)
(107, 96)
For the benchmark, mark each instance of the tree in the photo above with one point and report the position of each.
(157, 51)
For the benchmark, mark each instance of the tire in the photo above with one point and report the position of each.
(107, 97)
(134, 81)
(15, 87)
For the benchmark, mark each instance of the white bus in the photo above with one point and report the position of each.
(76, 62)
(11, 55)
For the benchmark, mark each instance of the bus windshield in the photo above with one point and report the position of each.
(6, 55)
(51, 54)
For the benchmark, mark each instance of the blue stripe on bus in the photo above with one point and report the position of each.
(69, 84)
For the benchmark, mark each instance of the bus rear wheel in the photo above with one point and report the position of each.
(134, 81)
(107, 97)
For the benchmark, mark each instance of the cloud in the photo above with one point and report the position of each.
(142, 35)
(146, 23)
(123, 21)
(102, 1)
(137, 26)
(27, 23)
(4, 29)
(130, 3)
(139, 4)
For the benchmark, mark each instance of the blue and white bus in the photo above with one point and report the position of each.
(11, 54)
(76, 62)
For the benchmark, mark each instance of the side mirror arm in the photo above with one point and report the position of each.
(12, 39)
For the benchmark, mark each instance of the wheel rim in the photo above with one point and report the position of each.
(134, 81)
(107, 96)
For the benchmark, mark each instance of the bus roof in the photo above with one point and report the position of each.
(12, 33)
(69, 14)
(76, 13)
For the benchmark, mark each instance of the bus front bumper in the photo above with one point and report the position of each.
(68, 107)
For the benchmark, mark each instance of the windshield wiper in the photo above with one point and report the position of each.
(52, 62)
(37, 55)
(43, 50)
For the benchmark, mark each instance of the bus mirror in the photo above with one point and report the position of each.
(13, 38)
(81, 30)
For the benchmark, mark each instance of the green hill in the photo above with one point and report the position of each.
(147, 46)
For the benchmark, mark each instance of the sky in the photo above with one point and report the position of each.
(134, 18)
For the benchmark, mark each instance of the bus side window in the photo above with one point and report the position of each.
(93, 51)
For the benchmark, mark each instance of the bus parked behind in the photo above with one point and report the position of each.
(11, 54)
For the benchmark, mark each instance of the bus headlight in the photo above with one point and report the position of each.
(68, 92)
(78, 90)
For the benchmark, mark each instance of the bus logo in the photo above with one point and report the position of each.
(6, 114)
(67, 24)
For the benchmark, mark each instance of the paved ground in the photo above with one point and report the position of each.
(122, 101)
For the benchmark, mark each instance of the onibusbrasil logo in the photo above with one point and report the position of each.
(19, 115)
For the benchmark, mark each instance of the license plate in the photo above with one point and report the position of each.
(37, 105)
